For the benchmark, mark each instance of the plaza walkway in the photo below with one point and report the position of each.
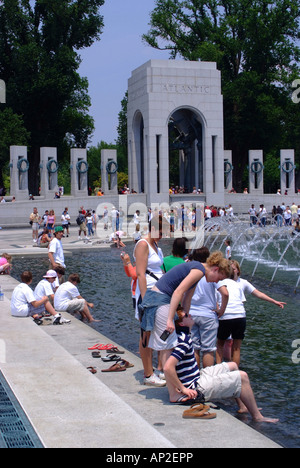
(46, 368)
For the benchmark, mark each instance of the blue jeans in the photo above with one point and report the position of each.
(90, 229)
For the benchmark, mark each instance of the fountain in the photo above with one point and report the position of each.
(273, 248)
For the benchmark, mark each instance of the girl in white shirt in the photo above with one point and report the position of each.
(233, 322)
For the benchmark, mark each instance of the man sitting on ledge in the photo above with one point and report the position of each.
(185, 381)
(68, 299)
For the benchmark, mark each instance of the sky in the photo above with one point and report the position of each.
(108, 63)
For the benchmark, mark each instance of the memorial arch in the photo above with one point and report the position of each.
(175, 129)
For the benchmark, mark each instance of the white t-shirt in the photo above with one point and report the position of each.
(44, 288)
(237, 290)
(20, 300)
(228, 252)
(56, 248)
(204, 301)
(65, 293)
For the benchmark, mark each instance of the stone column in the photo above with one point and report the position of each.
(48, 171)
(79, 172)
(19, 167)
(228, 168)
(287, 171)
(256, 172)
(109, 174)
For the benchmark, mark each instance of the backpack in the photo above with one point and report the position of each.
(79, 220)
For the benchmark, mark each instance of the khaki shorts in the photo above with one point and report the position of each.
(76, 305)
(219, 383)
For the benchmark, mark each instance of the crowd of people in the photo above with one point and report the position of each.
(282, 215)
(189, 304)
(43, 226)
(51, 296)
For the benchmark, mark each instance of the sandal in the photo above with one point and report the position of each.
(125, 364)
(101, 346)
(114, 350)
(96, 354)
(198, 415)
(196, 408)
(115, 368)
(112, 357)
(92, 370)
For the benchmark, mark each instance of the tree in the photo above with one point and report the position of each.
(12, 133)
(39, 59)
(122, 141)
(255, 46)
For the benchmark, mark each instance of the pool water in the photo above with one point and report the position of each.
(267, 352)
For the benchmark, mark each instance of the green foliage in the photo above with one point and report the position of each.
(39, 59)
(12, 133)
(122, 141)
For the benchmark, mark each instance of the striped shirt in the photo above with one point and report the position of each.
(187, 369)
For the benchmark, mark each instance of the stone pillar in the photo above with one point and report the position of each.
(287, 171)
(228, 168)
(256, 172)
(2, 92)
(19, 167)
(79, 172)
(109, 174)
(48, 171)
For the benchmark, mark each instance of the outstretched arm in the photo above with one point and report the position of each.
(264, 297)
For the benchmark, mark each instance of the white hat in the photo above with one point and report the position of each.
(50, 274)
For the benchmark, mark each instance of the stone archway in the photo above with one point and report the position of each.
(182, 100)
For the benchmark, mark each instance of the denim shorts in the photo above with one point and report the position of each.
(148, 308)
(204, 333)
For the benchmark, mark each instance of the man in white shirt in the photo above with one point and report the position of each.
(55, 249)
(67, 298)
(44, 287)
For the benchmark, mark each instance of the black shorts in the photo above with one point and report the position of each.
(235, 327)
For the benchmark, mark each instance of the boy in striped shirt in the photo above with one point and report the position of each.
(188, 385)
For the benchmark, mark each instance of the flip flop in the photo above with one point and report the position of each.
(96, 354)
(114, 350)
(125, 364)
(191, 401)
(196, 408)
(115, 368)
(92, 370)
(101, 346)
(112, 357)
(93, 347)
(198, 415)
